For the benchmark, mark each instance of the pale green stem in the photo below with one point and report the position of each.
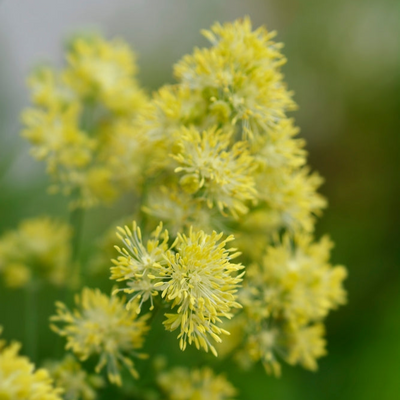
(76, 221)
(31, 321)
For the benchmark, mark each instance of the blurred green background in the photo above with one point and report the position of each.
(344, 66)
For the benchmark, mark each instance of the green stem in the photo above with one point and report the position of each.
(31, 322)
(76, 221)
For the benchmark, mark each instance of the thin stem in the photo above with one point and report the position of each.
(76, 220)
(31, 322)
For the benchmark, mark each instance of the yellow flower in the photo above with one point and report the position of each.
(292, 196)
(306, 344)
(104, 70)
(82, 123)
(240, 76)
(265, 344)
(171, 107)
(300, 282)
(279, 149)
(253, 233)
(56, 137)
(286, 299)
(197, 278)
(136, 263)
(16, 275)
(179, 210)
(295, 344)
(98, 184)
(76, 382)
(201, 281)
(253, 158)
(20, 381)
(49, 89)
(198, 384)
(101, 326)
(39, 249)
(209, 165)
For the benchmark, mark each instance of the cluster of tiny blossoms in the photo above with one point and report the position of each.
(77, 122)
(286, 298)
(102, 326)
(200, 384)
(19, 380)
(195, 277)
(38, 250)
(76, 383)
(227, 158)
(217, 160)
(221, 134)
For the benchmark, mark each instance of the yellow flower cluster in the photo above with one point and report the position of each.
(137, 262)
(75, 381)
(225, 157)
(179, 209)
(215, 152)
(222, 135)
(239, 76)
(77, 122)
(225, 176)
(286, 299)
(101, 326)
(19, 380)
(38, 250)
(194, 274)
(104, 72)
(222, 138)
(198, 384)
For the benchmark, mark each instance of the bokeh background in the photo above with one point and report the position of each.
(344, 66)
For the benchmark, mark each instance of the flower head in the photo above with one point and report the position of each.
(76, 382)
(179, 210)
(200, 384)
(136, 263)
(292, 196)
(201, 281)
(240, 76)
(20, 381)
(265, 344)
(300, 282)
(101, 325)
(104, 70)
(286, 300)
(56, 138)
(306, 345)
(195, 274)
(223, 174)
(81, 121)
(39, 249)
